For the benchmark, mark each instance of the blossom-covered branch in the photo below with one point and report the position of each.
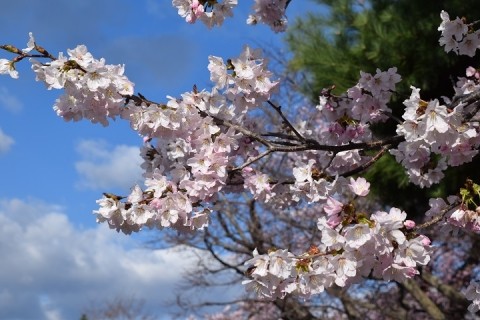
(208, 143)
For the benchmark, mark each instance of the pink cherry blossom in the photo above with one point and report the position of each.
(360, 186)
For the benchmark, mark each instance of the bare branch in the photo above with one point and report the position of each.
(285, 120)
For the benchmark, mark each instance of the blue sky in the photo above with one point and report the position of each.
(56, 259)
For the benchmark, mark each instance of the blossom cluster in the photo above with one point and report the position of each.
(459, 211)
(187, 152)
(353, 246)
(340, 121)
(208, 141)
(440, 135)
(310, 184)
(270, 12)
(458, 36)
(245, 81)
(456, 214)
(210, 12)
(473, 293)
(8, 66)
(437, 136)
(92, 89)
(213, 12)
(348, 116)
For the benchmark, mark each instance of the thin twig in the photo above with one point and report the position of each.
(252, 160)
(369, 163)
(464, 98)
(280, 135)
(392, 141)
(392, 116)
(285, 120)
(436, 219)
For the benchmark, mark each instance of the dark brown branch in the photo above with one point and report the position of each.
(233, 219)
(255, 229)
(22, 55)
(280, 135)
(252, 160)
(220, 260)
(437, 218)
(393, 141)
(225, 226)
(293, 310)
(433, 310)
(464, 99)
(139, 99)
(285, 120)
(369, 163)
(449, 291)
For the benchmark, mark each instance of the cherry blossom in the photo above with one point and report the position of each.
(212, 13)
(208, 144)
(360, 186)
(270, 12)
(457, 37)
(473, 293)
(7, 67)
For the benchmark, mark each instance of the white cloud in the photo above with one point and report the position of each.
(9, 101)
(5, 142)
(58, 270)
(104, 167)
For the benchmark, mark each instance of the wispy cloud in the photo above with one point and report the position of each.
(103, 167)
(5, 142)
(57, 269)
(9, 102)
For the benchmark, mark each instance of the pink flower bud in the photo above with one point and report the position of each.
(409, 224)
(425, 240)
(247, 171)
(471, 71)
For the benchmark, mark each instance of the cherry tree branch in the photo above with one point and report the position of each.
(466, 99)
(285, 120)
(437, 218)
(369, 163)
(429, 306)
(252, 160)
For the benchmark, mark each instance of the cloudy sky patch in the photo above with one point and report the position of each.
(102, 166)
(5, 142)
(9, 102)
(57, 269)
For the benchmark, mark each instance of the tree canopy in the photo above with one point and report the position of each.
(277, 196)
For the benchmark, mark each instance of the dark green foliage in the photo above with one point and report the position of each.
(348, 38)
(333, 48)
